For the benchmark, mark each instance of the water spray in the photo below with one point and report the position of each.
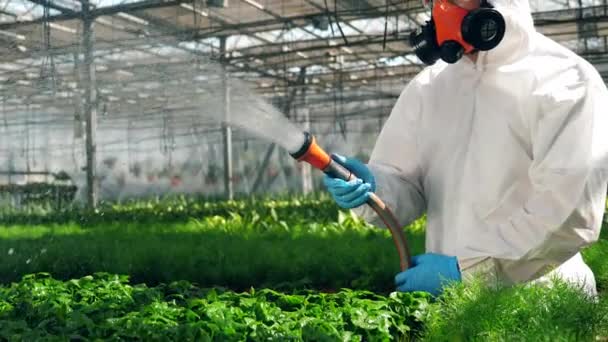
(313, 154)
(251, 113)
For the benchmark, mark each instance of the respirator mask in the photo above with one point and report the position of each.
(454, 31)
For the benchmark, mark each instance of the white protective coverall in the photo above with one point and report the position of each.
(508, 157)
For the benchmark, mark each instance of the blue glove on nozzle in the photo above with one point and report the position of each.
(355, 193)
(429, 273)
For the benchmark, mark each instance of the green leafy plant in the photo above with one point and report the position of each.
(520, 313)
(105, 306)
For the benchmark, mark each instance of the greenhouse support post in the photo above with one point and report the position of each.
(226, 130)
(307, 184)
(90, 95)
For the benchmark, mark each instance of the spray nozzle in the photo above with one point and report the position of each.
(312, 153)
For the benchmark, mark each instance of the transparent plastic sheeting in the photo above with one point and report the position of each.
(146, 158)
(167, 137)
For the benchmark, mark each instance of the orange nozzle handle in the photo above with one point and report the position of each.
(312, 153)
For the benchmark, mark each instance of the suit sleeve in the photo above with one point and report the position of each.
(395, 162)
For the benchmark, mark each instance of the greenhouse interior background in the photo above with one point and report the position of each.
(142, 71)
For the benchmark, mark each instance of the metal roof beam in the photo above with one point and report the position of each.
(110, 10)
(49, 4)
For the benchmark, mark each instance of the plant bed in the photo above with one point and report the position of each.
(107, 307)
(182, 209)
(243, 245)
(477, 312)
(236, 252)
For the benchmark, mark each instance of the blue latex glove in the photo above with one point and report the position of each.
(429, 273)
(355, 193)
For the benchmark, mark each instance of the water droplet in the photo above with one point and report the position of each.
(28, 261)
(43, 251)
(11, 251)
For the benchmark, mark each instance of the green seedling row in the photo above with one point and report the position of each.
(234, 251)
(320, 209)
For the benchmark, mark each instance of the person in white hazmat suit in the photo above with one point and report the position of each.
(505, 148)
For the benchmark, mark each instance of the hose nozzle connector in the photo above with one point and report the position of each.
(312, 153)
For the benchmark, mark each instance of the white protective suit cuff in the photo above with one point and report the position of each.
(493, 271)
(482, 268)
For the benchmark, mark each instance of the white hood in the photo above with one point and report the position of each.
(520, 6)
(520, 31)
